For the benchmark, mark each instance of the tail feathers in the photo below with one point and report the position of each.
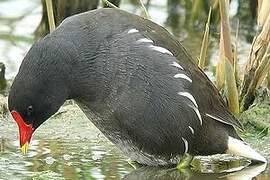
(238, 147)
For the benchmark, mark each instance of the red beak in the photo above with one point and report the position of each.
(25, 130)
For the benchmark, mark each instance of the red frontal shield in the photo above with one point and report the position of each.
(25, 130)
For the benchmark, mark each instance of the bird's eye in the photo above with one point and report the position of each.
(29, 110)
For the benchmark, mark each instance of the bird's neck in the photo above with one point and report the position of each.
(82, 68)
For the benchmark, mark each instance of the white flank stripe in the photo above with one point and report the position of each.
(189, 96)
(198, 113)
(132, 31)
(239, 148)
(186, 145)
(144, 40)
(183, 76)
(209, 115)
(216, 118)
(161, 49)
(191, 129)
(175, 64)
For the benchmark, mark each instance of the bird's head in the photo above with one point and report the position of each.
(30, 108)
(38, 90)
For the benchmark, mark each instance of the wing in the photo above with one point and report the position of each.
(173, 61)
(150, 93)
(209, 101)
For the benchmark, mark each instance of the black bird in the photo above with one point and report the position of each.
(134, 81)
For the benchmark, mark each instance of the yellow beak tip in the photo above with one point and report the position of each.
(24, 148)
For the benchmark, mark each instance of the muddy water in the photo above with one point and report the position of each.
(68, 146)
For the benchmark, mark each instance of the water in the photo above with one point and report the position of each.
(99, 159)
(63, 158)
(87, 159)
(68, 146)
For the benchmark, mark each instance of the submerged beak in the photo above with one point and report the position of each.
(25, 131)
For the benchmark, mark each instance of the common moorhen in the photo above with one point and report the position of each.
(134, 81)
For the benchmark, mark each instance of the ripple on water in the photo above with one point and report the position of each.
(50, 160)
(97, 154)
(96, 173)
(67, 157)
